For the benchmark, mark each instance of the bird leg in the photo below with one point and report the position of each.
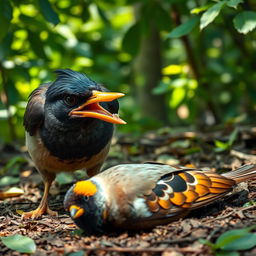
(43, 206)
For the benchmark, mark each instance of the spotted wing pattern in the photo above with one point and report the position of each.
(186, 190)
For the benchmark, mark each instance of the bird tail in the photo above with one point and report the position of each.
(243, 173)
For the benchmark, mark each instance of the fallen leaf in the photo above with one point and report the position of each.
(12, 192)
(19, 243)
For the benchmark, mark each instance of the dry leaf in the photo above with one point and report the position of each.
(12, 192)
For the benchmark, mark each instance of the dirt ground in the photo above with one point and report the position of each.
(59, 236)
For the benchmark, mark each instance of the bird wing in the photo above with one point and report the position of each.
(34, 114)
(169, 192)
(187, 189)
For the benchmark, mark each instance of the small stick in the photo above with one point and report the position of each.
(241, 155)
(149, 249)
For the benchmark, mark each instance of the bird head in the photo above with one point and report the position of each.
(86, 206)
(73, 98)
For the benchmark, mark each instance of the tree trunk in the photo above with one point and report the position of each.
(147, 74)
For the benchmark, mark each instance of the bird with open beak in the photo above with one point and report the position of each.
(69, 126)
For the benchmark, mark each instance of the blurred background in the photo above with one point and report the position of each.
(181, 63)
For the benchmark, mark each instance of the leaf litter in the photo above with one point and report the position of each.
(59, 236)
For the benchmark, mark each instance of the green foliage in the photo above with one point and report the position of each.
(5, 16)
(79, 253)
(19, 243)
(184, 28)
(211, 14)
(232, 241)
(13, 164)
(245, 21)
(8, 180)
(250, 203)
(234, 3)
(64, 178)
(203, 71)
(223, 146)
(131, 40)
(48, 13)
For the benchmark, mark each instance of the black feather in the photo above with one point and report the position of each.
(71, 82)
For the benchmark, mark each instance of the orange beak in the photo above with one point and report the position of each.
(92, 108)
(76, 211)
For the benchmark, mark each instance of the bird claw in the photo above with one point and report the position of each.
(37, 214)
(51, 212)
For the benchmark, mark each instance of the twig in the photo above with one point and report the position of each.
(176, 241)
(232, 212)
(241, 155)
(248, 208)
(137, 250)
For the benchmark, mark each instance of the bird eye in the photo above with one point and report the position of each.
(70, 100)
(86, 198)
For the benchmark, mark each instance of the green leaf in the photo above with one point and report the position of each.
(250, 203)
(5, 17)
(8, 180)
(177, 97)
(233, 137)
(64, 178)
(184, 28)
(211, 14)
(11, 163)
(131, 40)
(199, 9)
(245, 21)
(227, 253)
(234, 3)
(36, 45)
(207, 242)
(221, 146)
(230, 236)
(161, 88)
(19, 243)
(245, 242)
(79, 253)
(48, 13)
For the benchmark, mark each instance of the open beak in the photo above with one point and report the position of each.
(92, 108)
(75, 211)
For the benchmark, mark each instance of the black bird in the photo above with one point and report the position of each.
(69, 126)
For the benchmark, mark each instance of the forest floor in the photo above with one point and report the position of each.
(59, 236)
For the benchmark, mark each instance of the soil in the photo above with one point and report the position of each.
(59, 236)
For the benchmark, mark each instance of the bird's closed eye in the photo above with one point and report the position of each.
(70, 100)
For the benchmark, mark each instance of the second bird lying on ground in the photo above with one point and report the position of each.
(141, 196)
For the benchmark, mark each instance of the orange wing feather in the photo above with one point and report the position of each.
(185, 190)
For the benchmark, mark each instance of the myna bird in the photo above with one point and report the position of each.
(141, 196)
(69, 126)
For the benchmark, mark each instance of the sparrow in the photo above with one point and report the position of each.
(69, 126)
(141, 196)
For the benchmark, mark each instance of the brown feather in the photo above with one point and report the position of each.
(34, 114)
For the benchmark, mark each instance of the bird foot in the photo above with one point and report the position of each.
(36, 214)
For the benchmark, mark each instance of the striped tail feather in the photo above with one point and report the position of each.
(243, 173)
